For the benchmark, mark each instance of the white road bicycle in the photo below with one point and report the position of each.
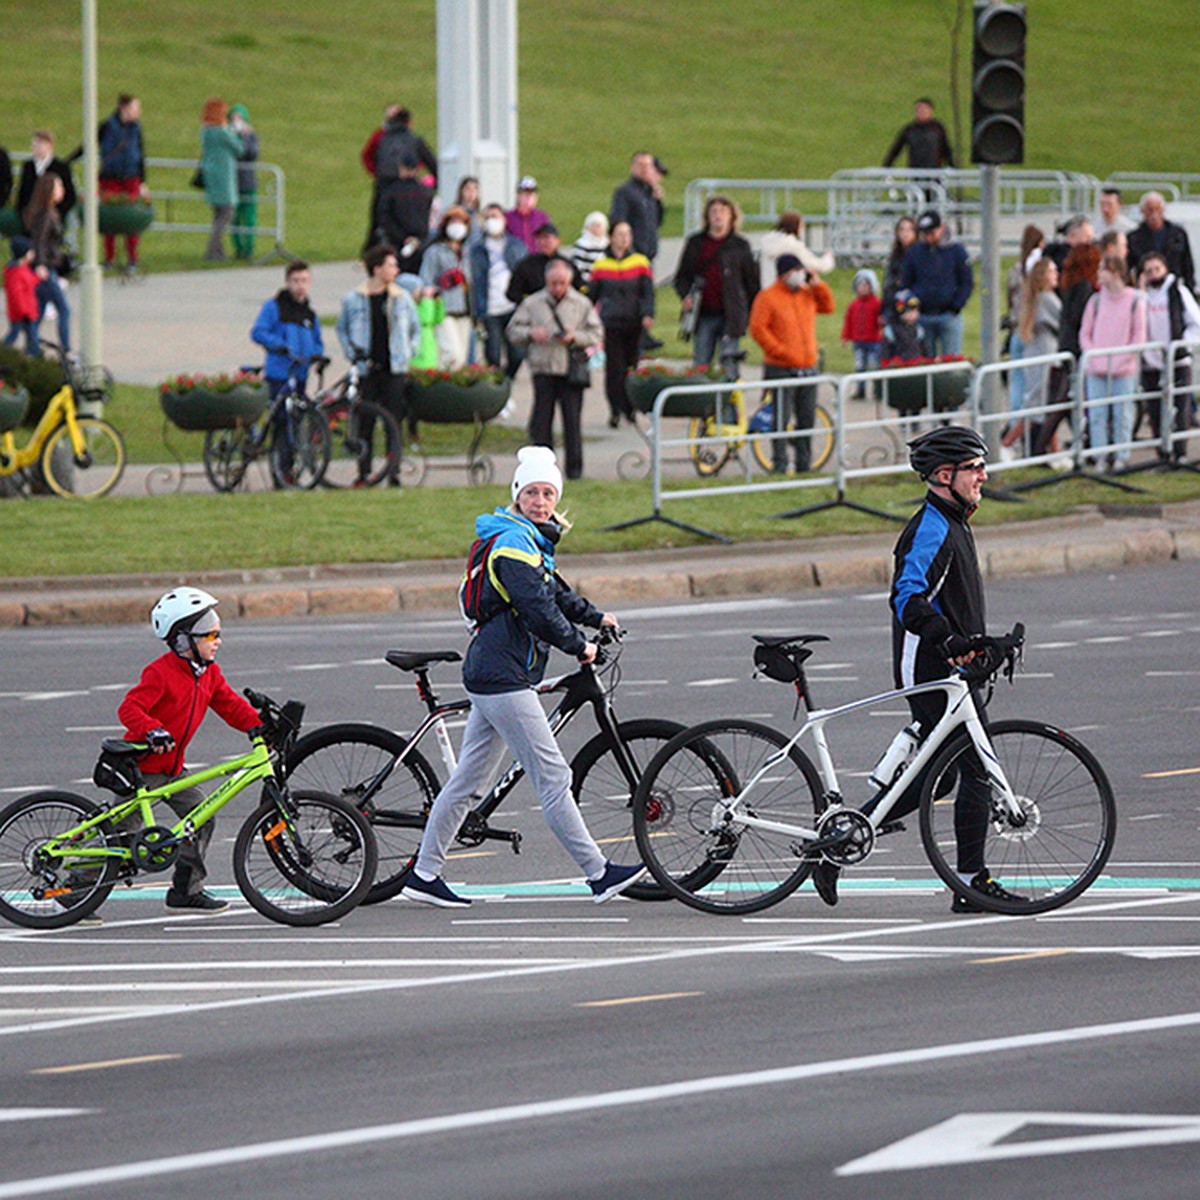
(731, 816)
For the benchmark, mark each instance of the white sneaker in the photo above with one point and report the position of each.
(1006, 454)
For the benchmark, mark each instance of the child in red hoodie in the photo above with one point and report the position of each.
(165, 708)
(862, 327)
(20, 294)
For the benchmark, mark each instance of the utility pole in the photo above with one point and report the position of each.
(91, 335)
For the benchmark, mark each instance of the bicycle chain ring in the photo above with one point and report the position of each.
(855, 834)
(154, 848)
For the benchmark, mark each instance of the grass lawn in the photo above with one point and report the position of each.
(754, 90)
(211, 532)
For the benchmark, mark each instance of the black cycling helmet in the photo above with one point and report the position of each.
(948, 445)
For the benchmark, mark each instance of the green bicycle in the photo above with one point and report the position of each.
(300, 858)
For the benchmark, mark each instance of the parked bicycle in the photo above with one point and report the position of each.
(293, 435)
(386, 776)
(366, 442)
(731, 816)
(67, 452)
(730, 421)
(300, 858)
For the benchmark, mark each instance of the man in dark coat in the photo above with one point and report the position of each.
(925, 139)
(1170, 240)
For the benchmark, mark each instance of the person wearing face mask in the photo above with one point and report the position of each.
(444, 269)
(783, 321)
(492, 258)
(1172, 315)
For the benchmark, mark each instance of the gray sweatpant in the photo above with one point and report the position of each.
(518, 719)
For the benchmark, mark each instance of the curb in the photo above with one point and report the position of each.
(670, 576)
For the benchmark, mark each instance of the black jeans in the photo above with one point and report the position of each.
(1184, 404)
(550, 391)
(799, 405)
(390, 392)
(622, 344)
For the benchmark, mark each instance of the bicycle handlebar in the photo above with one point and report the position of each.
(994, 655)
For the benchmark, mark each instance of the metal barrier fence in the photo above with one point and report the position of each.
(181, 208)
(860, 206)
(880, 439)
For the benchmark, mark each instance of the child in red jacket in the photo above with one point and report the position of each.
(862, 327)
(165, 708)
(20, 294)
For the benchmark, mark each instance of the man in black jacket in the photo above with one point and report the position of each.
(1170, 240)
(718, 275)
(937, 608)
(44, 159)
(529, 275)
(6, 177)
(926, 140)
(638, 202)
(402, 215)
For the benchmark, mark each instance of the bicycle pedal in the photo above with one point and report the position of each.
(890, 827)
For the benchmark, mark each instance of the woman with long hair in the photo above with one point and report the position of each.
(220, 148)
(50, 262)
(1032, 242)
(1039, 314)
(904, 234)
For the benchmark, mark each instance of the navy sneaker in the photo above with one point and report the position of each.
(983, 883)
(825, 880)
(615, 880)
(432, 891)
(201, 901)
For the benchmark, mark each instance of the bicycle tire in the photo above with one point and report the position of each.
(305, 862)
(711, 864)
(37, 818)
(821, 442)
(97, 472)
(1067, 805)
(605, 796)
(365, 444)
(228, 454)
(346, 760)
(300, 464)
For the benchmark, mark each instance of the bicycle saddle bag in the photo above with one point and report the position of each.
(117, 773)
(776, 662)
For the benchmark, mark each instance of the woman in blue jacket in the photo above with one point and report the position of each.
(524, 609)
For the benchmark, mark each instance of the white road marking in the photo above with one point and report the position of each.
(542, 1110)
(711, 682)
(33, 1114)
(975, 1137)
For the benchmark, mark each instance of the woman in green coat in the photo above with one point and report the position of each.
(220, 147)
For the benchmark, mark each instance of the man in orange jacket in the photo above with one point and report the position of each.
(783, 321)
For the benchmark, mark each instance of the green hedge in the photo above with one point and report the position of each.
(41, 376)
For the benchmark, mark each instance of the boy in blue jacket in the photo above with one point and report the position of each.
(287, 327)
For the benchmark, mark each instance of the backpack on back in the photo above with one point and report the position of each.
(470, 589)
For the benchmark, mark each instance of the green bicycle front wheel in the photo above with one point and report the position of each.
(305, 860)
(95, 470)
(47, 889)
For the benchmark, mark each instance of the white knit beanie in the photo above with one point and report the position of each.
(536, 464)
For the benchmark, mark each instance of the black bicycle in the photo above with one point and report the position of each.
(386, 776)
(366, 442)
(293, 434)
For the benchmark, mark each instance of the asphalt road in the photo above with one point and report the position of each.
(538, 1046)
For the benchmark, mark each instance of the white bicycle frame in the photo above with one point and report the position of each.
(960, 711)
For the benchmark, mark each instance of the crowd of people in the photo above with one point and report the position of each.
(497, 284)
(1095, 287)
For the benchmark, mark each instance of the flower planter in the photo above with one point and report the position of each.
(134, 217)
(911, 394)
(199, 410)
(14, 404)
(443, 403)
(643, 389)
(10, 223)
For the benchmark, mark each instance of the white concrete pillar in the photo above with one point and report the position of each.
(477, 97)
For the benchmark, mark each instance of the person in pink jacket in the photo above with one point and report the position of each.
(1114, 316)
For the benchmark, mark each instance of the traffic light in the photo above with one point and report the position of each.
(998, 84)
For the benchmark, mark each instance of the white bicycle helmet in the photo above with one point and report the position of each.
(179, 610)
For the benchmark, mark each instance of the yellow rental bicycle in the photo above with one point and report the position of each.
(73, 454)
